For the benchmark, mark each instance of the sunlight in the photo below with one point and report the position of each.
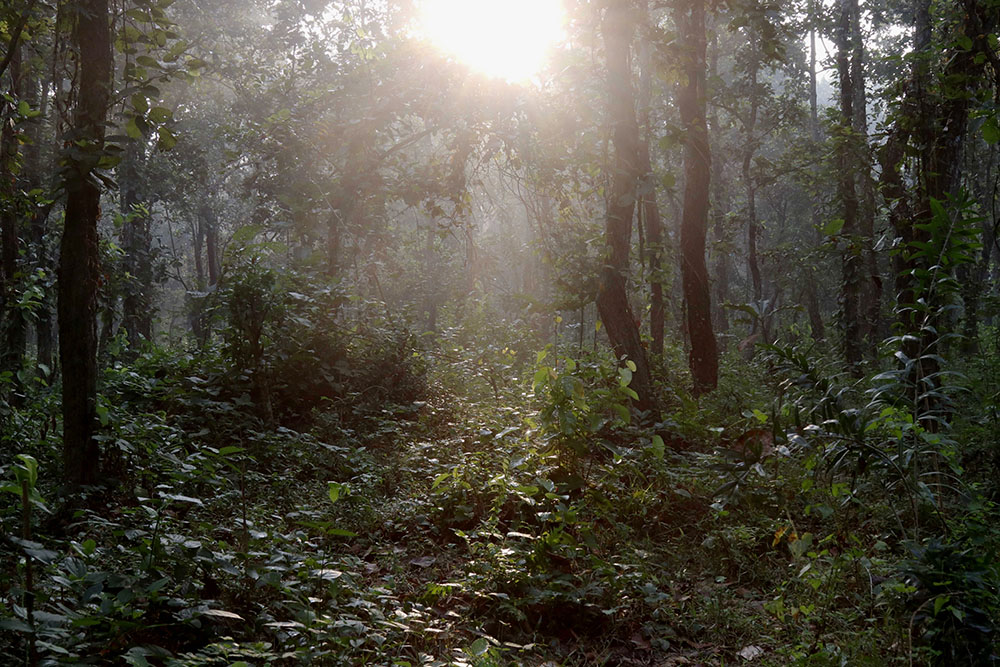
(506, 39)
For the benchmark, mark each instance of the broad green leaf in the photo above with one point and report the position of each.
(658, 446)
(478, 648)
(132, 129)
(991, 130)
(833, 227)
(623, 412)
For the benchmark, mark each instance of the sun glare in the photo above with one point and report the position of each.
(506, 39)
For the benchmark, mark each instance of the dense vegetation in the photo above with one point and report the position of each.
(319, 345)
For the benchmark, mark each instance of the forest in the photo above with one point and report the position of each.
(500, 332)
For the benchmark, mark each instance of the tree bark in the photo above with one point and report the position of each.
(870, 288)
(137, 303)
(211, 230)
(612, 298)
(12, 323)
(749, 148)
(851, 260)
(649, 208)
(719, 206)
(704, 356)
(78, 267)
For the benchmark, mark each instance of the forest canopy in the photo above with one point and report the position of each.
(483, 332)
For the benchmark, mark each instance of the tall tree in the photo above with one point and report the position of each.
(137, 301)
(649, 209)
(921, 159)
(850, 293)
(704, 355)
(78, 265)
(612, 299)
(12, 325)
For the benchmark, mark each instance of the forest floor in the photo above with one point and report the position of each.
(461, 530)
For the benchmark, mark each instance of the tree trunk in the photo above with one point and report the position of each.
(78, 268)
(137, 304)
(12, 323)
(211, 230)
(811, 290)
(719, 204)
(612, 298)
(704, 356)
(870, 292)
(749, 148)
(851, 282)
(649, 208)
(933, 121)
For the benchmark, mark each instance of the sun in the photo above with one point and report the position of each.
(505, 39)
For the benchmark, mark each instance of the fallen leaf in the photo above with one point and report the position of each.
(750, 652)
(426, 561)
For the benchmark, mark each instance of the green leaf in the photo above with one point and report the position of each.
(340, 532)
(132, 129)
(623, 412)
(939, 603)
(166, 139)
(833, 227)
(160, 115)
(658, 447)
(991, 130)
(478, 648)
(102, 414)
(26, 470)
(335, 490)
(245, 234)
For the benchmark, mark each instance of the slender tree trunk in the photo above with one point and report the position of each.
(196, 302)
(749, 148)
(650, 210)
(811, 290)
(211, 230)
(612, 298)
(43, 258)
(78, 269)
(12, 322)
(870, 292)
(704, 356)
(430, 285)
(137, 303)
(850, 285)
(719, 204)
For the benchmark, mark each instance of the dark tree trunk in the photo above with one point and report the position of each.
(137, 303)
(42, 258)
(612, 298)
(704, 356)
(933, 113)
(719, 204)
(12, 322)
(211, 230)
(811, 290)
(851, 283)
(973, 278)
(649, 208)
(430, 285)
(870, 288)
(750, 188)
(78, 268)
